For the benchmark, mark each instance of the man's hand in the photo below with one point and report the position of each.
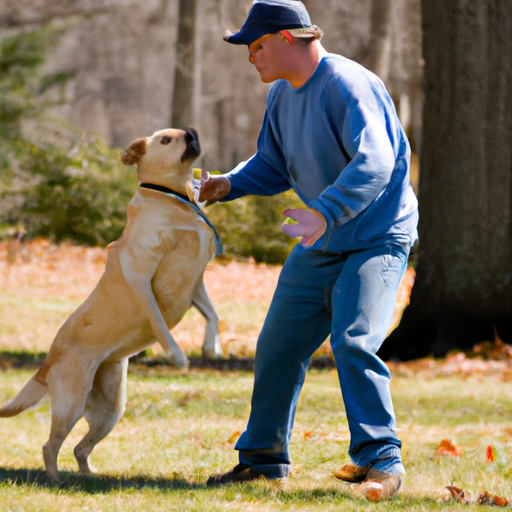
(311, 225)
(213, 188)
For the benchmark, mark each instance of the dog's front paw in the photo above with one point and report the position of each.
(180, 360)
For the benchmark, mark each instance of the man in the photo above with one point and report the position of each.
(331, 133)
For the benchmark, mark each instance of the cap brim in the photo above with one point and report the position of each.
(244, 36)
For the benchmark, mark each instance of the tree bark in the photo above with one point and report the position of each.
(463, 290)
(379, 46)
(184, 77)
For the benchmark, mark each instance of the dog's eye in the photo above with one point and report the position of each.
(165, 140)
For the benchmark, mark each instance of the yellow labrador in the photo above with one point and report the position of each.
(153, 274)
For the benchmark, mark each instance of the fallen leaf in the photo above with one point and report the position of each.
(485, 498)
(457, 494)
(490, 455)
(501, 502)
(234, 437)
(446, 447)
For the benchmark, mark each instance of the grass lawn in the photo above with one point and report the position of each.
(180, 428)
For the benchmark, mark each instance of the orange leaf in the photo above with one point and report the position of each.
(457, 493)
(234, 437)
(501, 502)
(490, 455)
(446, 447)
(485, 498)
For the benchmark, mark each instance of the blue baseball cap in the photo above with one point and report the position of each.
(269, 17)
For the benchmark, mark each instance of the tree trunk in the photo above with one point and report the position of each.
(463, 290)
(184, 78)
(379, 46)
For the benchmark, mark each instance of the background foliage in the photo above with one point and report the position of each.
(59, 183)
(78, 193)
(56, 182)
(250, 227)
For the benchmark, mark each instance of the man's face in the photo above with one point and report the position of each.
(267, 55)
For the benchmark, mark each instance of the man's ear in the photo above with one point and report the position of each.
(132, 154)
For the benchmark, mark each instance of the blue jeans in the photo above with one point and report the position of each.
(352, 298)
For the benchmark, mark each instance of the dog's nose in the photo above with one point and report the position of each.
(192, 141)
(191, 135)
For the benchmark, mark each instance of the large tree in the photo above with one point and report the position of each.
(463, 289)
(184, 76)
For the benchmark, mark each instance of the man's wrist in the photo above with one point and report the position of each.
(214, 188)
(225, 187)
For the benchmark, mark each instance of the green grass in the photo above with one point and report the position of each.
(177, 430)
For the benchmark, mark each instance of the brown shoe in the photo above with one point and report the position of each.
(240, 473)
(379, 485)
(352, 473)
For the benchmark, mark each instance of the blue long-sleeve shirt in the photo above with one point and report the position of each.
(338, 142)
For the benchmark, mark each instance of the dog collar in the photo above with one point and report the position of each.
(186, 200)
(165, 190)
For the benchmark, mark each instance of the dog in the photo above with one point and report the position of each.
(211, 348)
(153, 274)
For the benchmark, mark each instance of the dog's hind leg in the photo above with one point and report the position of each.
(211, 344)
(104, 408)
(67, 404)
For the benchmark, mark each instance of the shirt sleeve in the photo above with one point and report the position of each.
(368, 134)
(255, 177)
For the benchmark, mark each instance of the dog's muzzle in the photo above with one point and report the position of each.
(193, 149)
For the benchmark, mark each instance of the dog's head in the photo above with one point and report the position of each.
(165, 157)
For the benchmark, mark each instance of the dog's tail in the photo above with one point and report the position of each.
(29, 396)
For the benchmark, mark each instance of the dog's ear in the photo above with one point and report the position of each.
(134, 152)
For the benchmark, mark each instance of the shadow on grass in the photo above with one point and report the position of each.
(95, 484)
(73, 482)
(29, 360)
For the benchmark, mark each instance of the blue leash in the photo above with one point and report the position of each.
(185, 199)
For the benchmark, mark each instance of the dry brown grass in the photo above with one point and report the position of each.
(43, 283)
(50, 281)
